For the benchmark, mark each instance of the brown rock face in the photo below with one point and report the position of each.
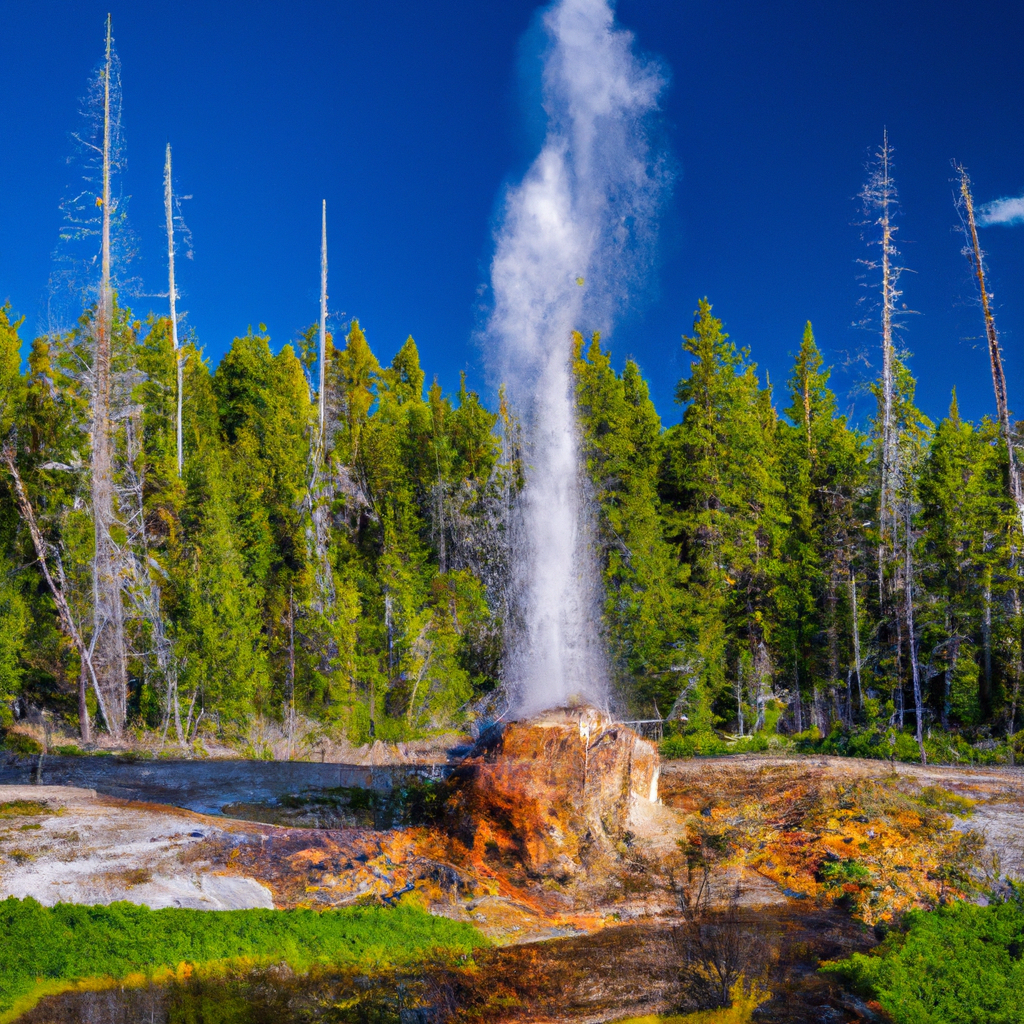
(551, 792)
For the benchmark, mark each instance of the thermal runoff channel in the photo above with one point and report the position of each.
(572, 236)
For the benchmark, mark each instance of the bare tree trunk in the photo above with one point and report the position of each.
(995, 357)
(66, 619)
(323, 329)
(915, 672)
(986, 635)
(84, 725)
(799, 704)
(173, 296)
(291, 671)
(886, 198)
(738, 691)
(108, 641)
(856, 635)
(832, 631)
(318, 536)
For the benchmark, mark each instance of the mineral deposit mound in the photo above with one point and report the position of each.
(552, 794)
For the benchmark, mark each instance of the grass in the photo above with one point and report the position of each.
(23, 808)
(51, 949)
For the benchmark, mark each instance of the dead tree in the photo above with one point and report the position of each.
(319, 491)
(137, 565)
(908, 604)
(56, 584)
(880, 199)
(973, 252)
(322, 395)
(172, 298)
(108, 640)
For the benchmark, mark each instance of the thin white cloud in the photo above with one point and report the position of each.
(1002, 211)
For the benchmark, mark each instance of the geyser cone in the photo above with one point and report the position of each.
(549, 793)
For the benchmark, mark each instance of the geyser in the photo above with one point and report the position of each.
(573, 235)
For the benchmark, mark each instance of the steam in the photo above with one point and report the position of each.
(573, 236)
(1002, 211)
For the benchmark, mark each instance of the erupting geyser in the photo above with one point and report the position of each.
(572, 236)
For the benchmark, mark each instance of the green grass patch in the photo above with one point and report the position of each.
(23, 808)
(47, 949)
(960, 964)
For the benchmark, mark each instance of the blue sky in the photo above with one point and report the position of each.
(410, 117)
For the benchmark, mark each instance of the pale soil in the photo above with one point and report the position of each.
(92, 849)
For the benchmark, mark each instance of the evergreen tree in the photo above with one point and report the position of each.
(822, 464)
(621, 434)
(723, 491)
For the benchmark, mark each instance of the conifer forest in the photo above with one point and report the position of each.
(313, 529)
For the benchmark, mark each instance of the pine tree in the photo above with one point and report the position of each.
(721, 484)
(823, 465)
(621, 444)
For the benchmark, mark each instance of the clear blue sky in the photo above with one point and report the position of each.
(408, 117)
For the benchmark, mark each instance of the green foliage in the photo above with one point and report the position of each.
(964, 699)
(623, 452)
(68, 942)
(959, 964)
(19, 743)
(363, 582)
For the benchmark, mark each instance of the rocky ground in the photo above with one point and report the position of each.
(550, 832)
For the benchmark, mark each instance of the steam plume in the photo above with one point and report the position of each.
(1002, 211)
(573, 236)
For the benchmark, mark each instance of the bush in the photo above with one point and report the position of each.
(694, 744)
(20, 743)
(68, 942)
(964, 702)
(960, 964)
(69, 750)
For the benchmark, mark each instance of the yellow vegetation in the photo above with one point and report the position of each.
(741, 1012)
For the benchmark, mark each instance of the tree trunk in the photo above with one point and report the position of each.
(173, 297)
(995, 357)
(108, 643)
(84, 725)
(56, 585)
(986, 638)
(323, 330)
(915, 672)
(856, 637)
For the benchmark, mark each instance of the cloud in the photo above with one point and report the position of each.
(1002, 211)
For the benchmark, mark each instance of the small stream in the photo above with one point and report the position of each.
(208, 786)
(267, 997)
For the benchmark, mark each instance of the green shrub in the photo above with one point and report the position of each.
(964, 700)
(68, 941)
(960, 964)
(69, 750)
(19, 743)
(694, 744)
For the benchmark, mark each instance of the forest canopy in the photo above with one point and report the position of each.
(366, 586)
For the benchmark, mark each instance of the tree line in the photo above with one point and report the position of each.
(310, 532)
(740, 548)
